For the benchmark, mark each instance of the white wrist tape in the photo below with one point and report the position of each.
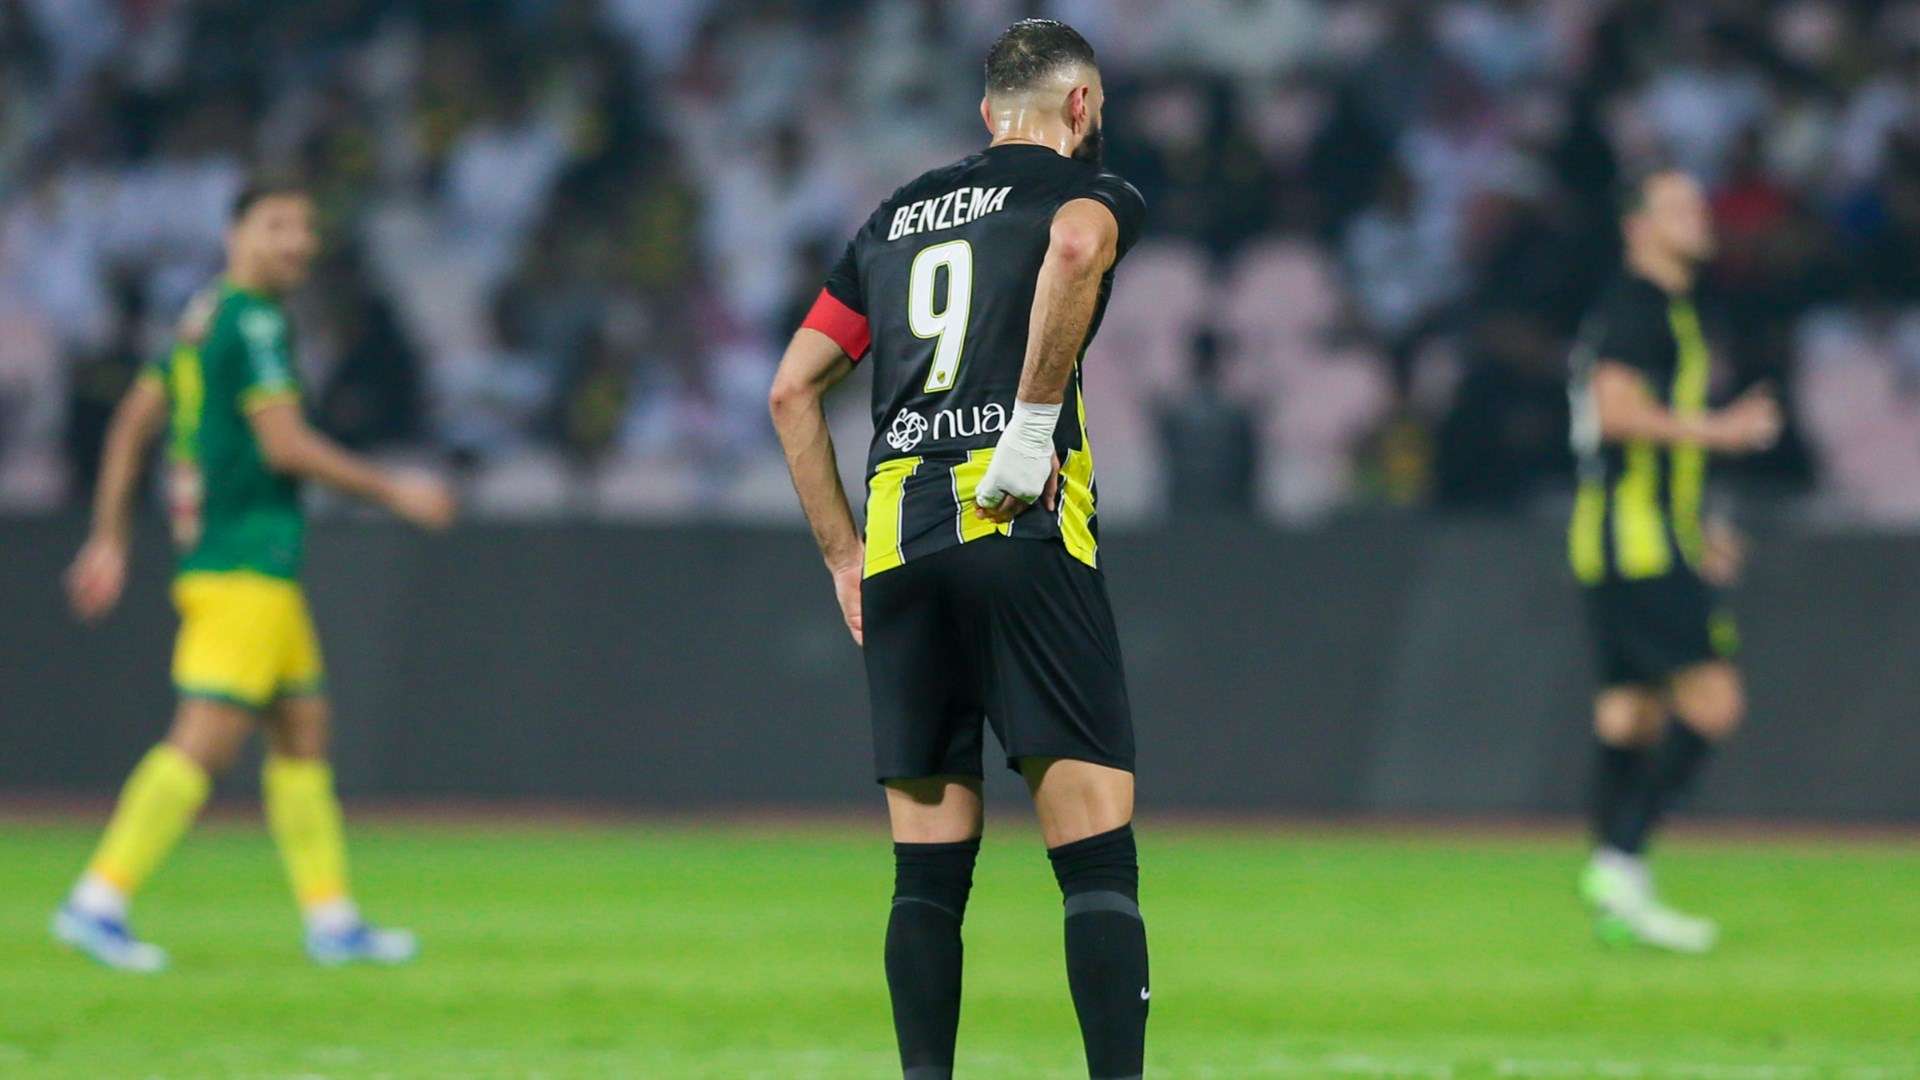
(1023, 461)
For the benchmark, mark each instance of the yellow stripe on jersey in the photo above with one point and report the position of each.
(966, 482)
(1687, 475)
(1640, 547)
(1076, 497)
(886, 502)
(1586, 540)
(188, 389)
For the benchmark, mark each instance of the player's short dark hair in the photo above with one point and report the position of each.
(1032, 49)
(260, 188)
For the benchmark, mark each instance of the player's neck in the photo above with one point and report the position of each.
(245, 280)
(1023, 125)
(1674, 274)
(1057, 145)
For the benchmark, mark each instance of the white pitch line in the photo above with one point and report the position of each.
(1403, 1068)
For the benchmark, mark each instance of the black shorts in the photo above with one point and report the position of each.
(1646, 631)
(1015, 633)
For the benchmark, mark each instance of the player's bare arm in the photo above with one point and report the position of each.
(814, 364)
(1080, 249)
(1629, 412)
(99, 572)
(291, 446)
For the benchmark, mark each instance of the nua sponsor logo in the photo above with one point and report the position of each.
(910, 428)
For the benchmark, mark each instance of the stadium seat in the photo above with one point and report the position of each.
(1140, 358)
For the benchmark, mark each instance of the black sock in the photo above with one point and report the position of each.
(1622, 784)
(1665, 777)
(1106, 949)
(1676, 768)
(930, 887)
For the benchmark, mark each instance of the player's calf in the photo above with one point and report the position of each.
(1627, 723)
(1106, 945)
(157, 805)
(936, 830)
(1710, 703)
(924, 954)
(1086, 813)
(303, 813)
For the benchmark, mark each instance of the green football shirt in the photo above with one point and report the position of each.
(228, 510)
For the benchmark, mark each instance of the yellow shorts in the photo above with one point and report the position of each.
(245, 638)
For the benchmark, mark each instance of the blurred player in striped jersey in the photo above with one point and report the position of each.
(246, 657)
(1649, 563)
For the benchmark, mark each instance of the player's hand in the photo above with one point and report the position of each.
(1724, 556)
(846, 589)
(1012, 506)
(1025, 465)
(422, 500)
(1752, 423)
(97, 578)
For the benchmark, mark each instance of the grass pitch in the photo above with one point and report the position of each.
(732, 953)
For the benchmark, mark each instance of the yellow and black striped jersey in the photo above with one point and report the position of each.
(1637, 511)
(938, 288)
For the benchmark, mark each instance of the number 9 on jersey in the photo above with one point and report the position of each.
(949, 324)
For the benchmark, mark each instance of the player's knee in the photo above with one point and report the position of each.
(1622, 718)
(1077, 799)
(300, 729)
(936, 810)
(1716, 717)
(212, 750)
(1615, 727)
(1711, 702)
(937, 874)
(1106, 862)
(213, 760)
(298, 749)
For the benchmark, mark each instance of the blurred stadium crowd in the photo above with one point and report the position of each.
(567, 238)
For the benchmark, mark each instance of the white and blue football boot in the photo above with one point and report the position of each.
(108, 940)
(361, 943)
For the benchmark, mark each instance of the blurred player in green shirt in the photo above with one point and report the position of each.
(238, 449)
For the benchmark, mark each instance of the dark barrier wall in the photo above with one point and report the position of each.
(1406, 666)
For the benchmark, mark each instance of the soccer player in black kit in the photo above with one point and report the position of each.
(1649, 564)
(976, 591)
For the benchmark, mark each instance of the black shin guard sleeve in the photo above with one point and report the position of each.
(1677, 769)
(1106, 949)
(931, 885)
(1622, 775)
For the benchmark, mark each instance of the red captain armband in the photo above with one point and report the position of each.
(847, 327)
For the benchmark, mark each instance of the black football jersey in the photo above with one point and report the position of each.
(935, 292)
(1637, 511)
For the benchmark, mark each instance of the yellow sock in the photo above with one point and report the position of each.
(159, 801)
(305, 818)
